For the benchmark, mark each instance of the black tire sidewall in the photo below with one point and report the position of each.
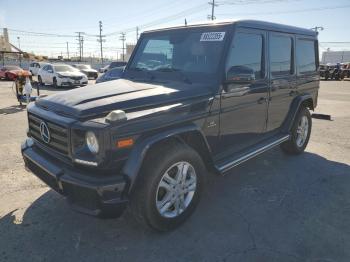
(54, 82)
(153, 174)
(303, 112)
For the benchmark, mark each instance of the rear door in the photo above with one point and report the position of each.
(282, 78)
(244, 98)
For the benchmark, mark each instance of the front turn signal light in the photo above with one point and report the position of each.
(125, 143)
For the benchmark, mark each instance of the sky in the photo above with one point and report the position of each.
(65, 17)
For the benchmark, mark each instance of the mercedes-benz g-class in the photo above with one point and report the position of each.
(192, 100)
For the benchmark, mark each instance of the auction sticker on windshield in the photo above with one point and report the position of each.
(212, 36)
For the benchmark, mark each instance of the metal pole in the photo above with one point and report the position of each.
(100, 24)
(137, 33)
(67, 50)
(212, 10)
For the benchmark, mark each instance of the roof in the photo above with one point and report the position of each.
(247, 23)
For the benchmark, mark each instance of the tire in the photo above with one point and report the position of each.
(7, 77)
(160, 164)
(300, 134)
(40, 81)
(54, 82)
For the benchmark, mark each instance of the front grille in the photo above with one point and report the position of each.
(76, 77)
(58, 134)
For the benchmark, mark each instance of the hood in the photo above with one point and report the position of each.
(89, 70)
(69, 73)
(122, 94)
(17, 71)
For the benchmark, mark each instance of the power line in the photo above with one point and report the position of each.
(288, 12)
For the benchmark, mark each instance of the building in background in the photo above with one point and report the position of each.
(129, 49)
(334, 57)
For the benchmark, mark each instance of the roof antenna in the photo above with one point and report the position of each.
(185, 22)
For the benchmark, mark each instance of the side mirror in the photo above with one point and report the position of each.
(240, 75)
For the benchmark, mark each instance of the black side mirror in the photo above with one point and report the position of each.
(240, 75)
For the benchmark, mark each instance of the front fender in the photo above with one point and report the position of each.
(137, 155)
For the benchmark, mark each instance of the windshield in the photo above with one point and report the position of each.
(64, 68)
(83, 66)
(191, 52)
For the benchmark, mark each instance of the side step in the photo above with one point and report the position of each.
(238, 159)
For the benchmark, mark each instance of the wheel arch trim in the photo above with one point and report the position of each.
(132, 167)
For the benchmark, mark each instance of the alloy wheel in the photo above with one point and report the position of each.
(176, 189)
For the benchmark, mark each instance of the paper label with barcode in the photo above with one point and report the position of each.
(212, 36)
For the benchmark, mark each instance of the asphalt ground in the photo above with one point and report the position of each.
(272, 208)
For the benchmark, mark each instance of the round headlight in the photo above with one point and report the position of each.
(92, 142)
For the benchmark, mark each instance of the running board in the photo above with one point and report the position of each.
(242, 158)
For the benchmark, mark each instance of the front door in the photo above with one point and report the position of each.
(244, 98)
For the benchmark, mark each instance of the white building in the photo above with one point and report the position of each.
(335, 57)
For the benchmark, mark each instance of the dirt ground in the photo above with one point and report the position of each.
(272, 208)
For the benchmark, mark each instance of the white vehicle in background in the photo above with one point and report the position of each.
(61, 75)
(34, 67)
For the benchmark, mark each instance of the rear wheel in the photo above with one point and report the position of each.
(300, 133)
(170, 186)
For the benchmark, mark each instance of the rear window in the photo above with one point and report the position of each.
(281, 55)
(306, 56)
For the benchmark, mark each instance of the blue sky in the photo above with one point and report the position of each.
(67, 17)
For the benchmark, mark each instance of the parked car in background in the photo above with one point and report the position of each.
(87, 70)
(112, 74)
(10, 72)
(112, 65)
(34, 67)
(61, 75)
(346, 70)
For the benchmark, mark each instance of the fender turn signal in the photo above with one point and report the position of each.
(125, 142)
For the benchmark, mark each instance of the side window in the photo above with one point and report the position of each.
(281, 55)
(246, 56)
(45, 68)
(306, 56)
(116, 73)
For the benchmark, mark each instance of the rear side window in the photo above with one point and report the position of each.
(281, 55)
(306, 56)
(246, 54)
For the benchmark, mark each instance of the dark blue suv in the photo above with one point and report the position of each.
(192, 99)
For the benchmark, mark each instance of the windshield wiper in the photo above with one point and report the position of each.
(169, 69)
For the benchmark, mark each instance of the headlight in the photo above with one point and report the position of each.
(92, 142)
(61, 76)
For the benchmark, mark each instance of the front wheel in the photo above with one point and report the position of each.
(54, 82)
(170, 186)
(300, 133)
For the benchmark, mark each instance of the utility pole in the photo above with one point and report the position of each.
(101, 40)
(185, 22)
(67, 50)
(137, 33)
(122, 38)
(82, 47)
(212, 17)
(19, 42)
(79, 43)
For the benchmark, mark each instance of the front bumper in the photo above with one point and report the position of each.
(72, 82)
(93, 195)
